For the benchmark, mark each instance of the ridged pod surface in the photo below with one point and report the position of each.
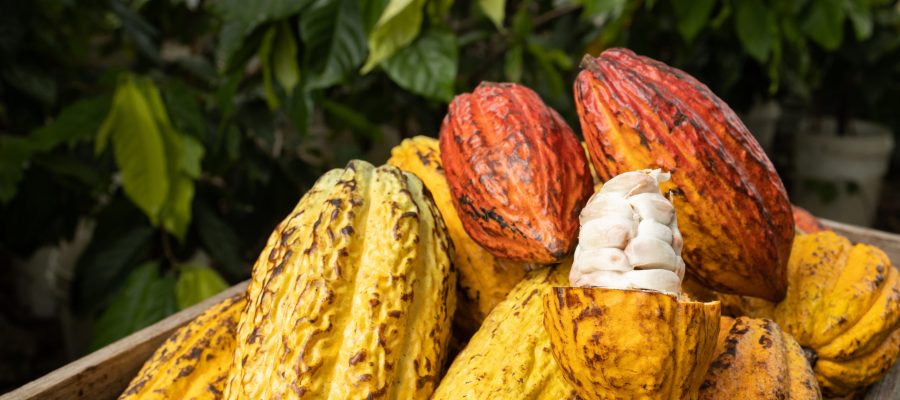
(626, 344)
(485, 280)
(509, 357)
(755, 360)
(843, 305)
(353, 295)
(193, 363)
(637, 113)
(517, 173)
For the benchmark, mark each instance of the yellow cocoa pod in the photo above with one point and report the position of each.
(755, 360)
(484, 280)
(353, 295)
(509, 357)
(630, 344)
(843, 306)
(194, 362)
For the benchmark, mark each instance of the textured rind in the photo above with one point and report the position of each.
(623, 344)
(352, 296)
(483, 279)
(517, 173)
(756, 360)
(732, 305)
(843, 302)
(637, 113)
(193, 363)
(509, 357)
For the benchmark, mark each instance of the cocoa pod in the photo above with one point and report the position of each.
(353, 295)
(517, 173)
(638, 113)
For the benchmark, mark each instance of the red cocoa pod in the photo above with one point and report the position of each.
(805, 222)
(518, 176)
(733, 211)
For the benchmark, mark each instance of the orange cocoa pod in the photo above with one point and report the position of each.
(733, 211)
(805, 222)
(517, 173)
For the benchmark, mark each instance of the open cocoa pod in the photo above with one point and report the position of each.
(624, 330)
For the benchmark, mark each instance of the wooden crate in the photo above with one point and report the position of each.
(104, 373)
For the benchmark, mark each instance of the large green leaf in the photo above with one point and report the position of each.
(138, 147)
(335, 43)
(265, 62)
(145, 297)
(197, 283)
(495, 10)
(397, 27)
(427, 67)
(692, 16)
(76, 123)
(606, 9)
(106, 260)
(220, 241)
(241, 17)
(753, 23)
(284, 58)
(860, 14)
(824, 23)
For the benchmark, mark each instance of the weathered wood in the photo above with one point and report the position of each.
(104, 373)
(889, 242)
(889, 386)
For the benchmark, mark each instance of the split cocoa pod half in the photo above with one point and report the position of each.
(756, 360)
(625, 331)
(639, 113)
(517, 174)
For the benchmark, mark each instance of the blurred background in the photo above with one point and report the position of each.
(147, 148)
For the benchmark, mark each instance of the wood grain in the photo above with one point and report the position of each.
(104, 373)
(889, 387)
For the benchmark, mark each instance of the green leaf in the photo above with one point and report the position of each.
(197, 283)
(606, 9)
(14, 155)
(335, 43)
(220, 241)
(427, 67)
(138, 146)
(353, 119)
(77, 122)
(692, 16)
(495, 10)
(860, 14)
(397, 27)
(183, 105)
(193, 156)
(241, 17)
(512, 65)
(146, 297)
(753, 23)
(438, 9)
(107, 258)
(265, 57)
(284, 58)
(824, 23)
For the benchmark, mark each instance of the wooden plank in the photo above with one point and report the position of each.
(889, 242)
(889, 387)
(104, 373)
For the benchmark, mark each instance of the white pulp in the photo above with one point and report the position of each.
(629, 237)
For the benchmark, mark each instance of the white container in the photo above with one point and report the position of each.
(839, 177)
